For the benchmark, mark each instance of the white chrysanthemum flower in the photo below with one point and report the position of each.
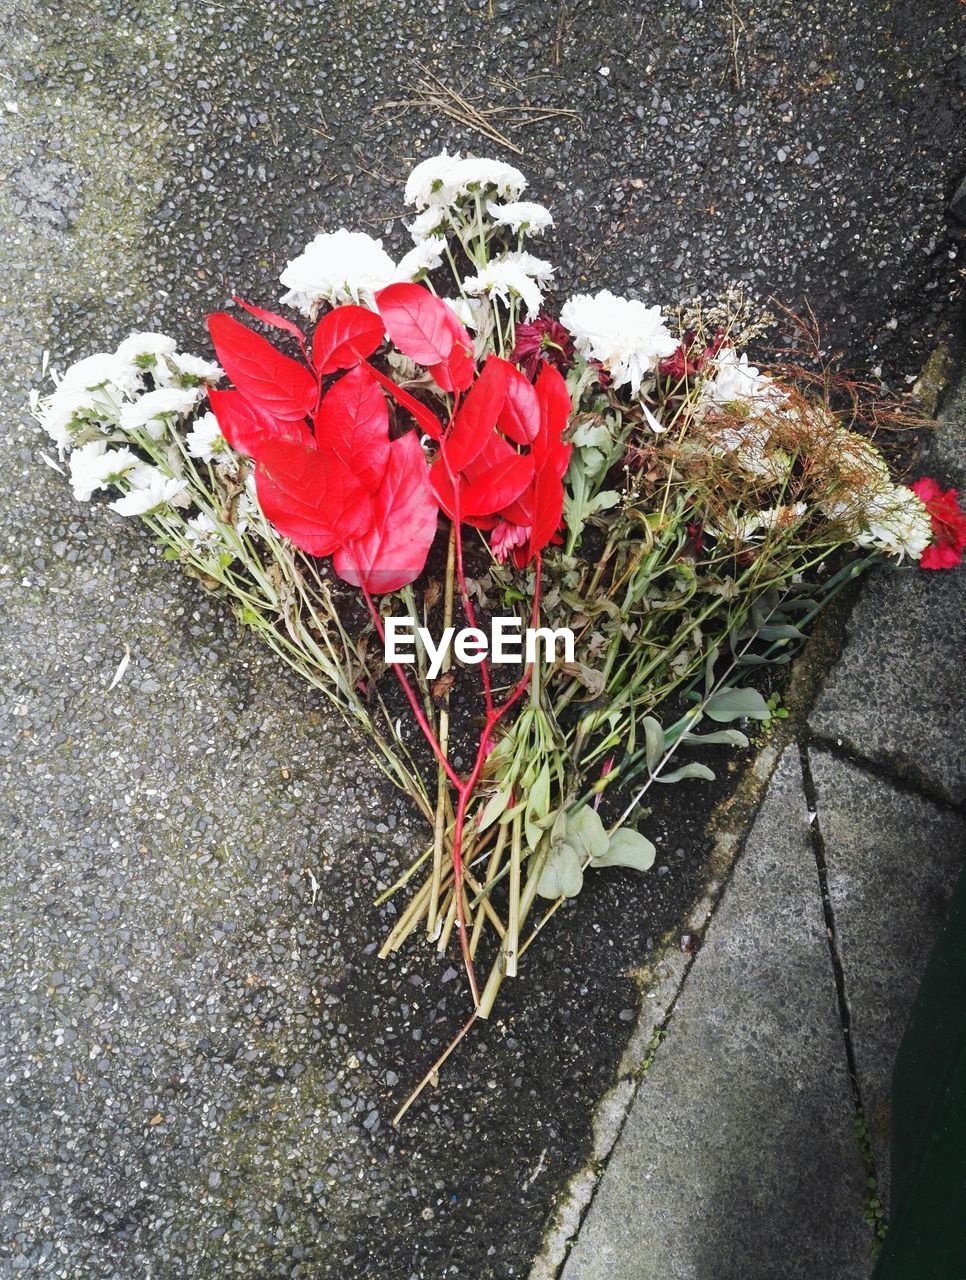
(150, 490)
(181, 368)
(781, 517)
(476, 175)
(521, 215)
(203, 533)
(736, 381)
(155, 410)
(431, 222)
(93, 466)
(102, 370)
(516, 275)
(425, 257)
(467, 311)
(444, 180)
(433, 181)
(627, 337)
(146, 347)
(747, 445)
(336, 267)
(895, 522)
(89, 395)
(204, 440)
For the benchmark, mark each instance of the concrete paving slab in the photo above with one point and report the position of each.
(893, 859)
(898, 691)
(738, 1157)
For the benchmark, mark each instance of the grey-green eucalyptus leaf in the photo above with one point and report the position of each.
(737, 704)
(562, 874)
(693, 770)
(628, 848)
(653, 742)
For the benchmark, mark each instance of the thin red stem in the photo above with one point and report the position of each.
(408, 690)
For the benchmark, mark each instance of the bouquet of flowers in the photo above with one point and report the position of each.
(641, 517)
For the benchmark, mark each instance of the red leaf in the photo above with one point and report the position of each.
(554, 399)
(548, 500)
(393, 552)
(353, 424)
(344, 337)
(458, 370)
(520, 419)
(272, 382)
(247, 428)
(311, 497)
(424, 416)
(421, 325)
(477, 417)
(499, 475)
(272, 318)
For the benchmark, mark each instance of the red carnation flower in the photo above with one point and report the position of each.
(948, 525)
(687, 360)
(544, 340)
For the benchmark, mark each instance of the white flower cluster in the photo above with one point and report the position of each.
(879, 514)
(115, 415)
(628, 338)
(744, 401)
(452, 194)
(107, 392)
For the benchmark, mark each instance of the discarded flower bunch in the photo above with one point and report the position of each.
(636, 484)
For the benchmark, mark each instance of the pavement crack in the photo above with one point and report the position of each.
(873, 1206)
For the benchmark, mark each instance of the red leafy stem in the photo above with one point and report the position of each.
(464, 787)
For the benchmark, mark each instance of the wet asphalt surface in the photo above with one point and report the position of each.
(200, 1051)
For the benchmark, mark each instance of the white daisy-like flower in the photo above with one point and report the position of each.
(204, 440)
(203, 533)
(150, 490)
(146, 348)
(181, 368)
(93, 466)
(425, 257)
(521, 215)
(516, 275)
(154, 412)
(627, 337)
(246, 508)
(336, 267)
(433, 221)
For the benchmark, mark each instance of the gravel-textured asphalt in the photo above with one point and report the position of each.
(200, 1051)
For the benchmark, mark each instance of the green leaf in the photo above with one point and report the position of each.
(720, 738)
(628, 848)
(604, 501)
(737, 704)
(783, 631)
(586, 833)
(562, 874)
(653, 742)
(693, 770)
(493, 808)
